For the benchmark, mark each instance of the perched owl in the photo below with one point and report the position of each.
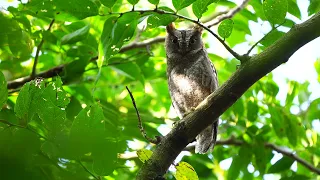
(191, 77)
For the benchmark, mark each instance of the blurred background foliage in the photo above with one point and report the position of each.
(79, 122)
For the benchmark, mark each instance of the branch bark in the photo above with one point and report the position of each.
(218, 102)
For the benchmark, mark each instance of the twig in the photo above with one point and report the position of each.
(255, 44)
(143, 132)
(24, 127)
(87, 170)
(141, 44)
(229, 14)
(10, 124)
(34, 68)
(58, 69)
(293, 156)
(236, 55)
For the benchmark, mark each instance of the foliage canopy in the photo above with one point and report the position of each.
(66, 113)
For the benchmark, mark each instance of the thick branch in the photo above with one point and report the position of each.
(218, 102)
(58, 69)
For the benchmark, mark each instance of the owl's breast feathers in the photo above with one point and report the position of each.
(191, 83)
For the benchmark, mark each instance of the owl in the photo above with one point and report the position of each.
(191, 78)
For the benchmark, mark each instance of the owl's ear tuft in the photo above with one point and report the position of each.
(198, 29)
(170, 28)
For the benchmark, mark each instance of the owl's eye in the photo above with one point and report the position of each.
(193, 40)
(174, 41)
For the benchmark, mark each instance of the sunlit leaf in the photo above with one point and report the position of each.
(155, 20)
(185, 172)
(155, 2)
(225, 28)
(144, 154)
(201, 6)
(180, 4)
(275, 10)
(75, 36)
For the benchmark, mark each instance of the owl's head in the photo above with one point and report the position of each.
(183, 41)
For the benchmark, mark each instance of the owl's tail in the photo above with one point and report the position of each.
(207, 138)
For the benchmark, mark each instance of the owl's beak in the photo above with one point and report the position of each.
(184, 48)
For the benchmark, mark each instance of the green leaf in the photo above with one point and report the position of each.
(3, 90)
(185, 172)
(133, 2)
(201, 6)
(261, 158)
(275, 10)
(144, 154)
(269, 39)
(155, 19)
(75, 36)
(23, 102)
(130, 70)
(314, 7)
(113, 37)
(291, 125)
(87, 128)
(252, 111)
(104, 155)
(75, 9)
(108, 3)
(180, 4)
(277, 120)
(294, 9)
(225, 28)
(281, 165)
(313, 110)
(235, 168)
(155, 2)
(292, 92)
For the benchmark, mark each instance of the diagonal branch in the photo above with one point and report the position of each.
(293, 156)
(228, 15)
(34, 67)
(158, 11)
(234, 142)
(219, 101)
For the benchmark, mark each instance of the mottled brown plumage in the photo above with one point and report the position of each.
(191, 77)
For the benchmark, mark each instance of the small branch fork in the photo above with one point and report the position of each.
(228, 15)
(263, 38)
(34, 68)
(140, 126)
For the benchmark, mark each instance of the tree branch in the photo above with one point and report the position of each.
(264, 37)
(34, 67)
(219, 101)
(140, 126)
(55, 71)
(158, 11)
(229, 14)
(234, 142)
(293, 156)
